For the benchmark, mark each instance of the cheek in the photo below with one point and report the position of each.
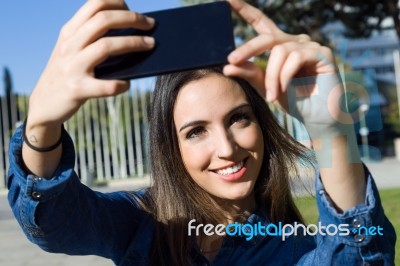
(195, 157)
(251, 139)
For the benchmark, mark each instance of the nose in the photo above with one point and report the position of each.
(225, 145)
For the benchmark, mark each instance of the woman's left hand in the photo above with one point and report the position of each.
(302, 77)
(315, 100)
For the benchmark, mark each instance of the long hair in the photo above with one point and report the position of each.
(174, 198)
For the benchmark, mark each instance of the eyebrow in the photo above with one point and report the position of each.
(202, 122)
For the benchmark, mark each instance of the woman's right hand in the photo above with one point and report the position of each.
(68, 79)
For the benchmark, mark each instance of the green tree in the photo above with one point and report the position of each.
(7, 81)
(360, 17)
(8, 88)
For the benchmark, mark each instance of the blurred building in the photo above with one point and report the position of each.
(372, 54)
(373, 57)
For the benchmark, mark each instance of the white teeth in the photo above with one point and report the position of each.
(231, 170)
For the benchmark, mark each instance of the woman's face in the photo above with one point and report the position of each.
(220, 140)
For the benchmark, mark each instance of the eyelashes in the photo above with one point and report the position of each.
(240, 119)
(195, 132)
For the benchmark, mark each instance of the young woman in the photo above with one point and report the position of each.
(218, 157)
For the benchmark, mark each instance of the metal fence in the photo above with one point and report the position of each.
(110, 134)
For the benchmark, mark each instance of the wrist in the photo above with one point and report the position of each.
(318, 131)
(42, 138)
(333, 143)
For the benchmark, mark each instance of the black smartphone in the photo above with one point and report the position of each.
(186, 38)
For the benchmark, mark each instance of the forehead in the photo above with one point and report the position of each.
(211, 95)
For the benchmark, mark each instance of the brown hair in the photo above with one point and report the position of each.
(174, 198)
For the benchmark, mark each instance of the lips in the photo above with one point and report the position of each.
(232, 172)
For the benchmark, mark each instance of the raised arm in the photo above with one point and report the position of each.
(68, 80)
(301, 76)
(61, 214)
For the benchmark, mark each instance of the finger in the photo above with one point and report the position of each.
(103, 21)
(88, 10)
(95, 88)
(253, 16)
(109, 46)
(262, 43)
(309, 60)
(254, 47)
(250, 72)
(295, 63)
(276, 61)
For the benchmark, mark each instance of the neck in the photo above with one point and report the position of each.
(237, 209)
(233, 210)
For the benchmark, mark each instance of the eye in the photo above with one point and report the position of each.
(241, 118)
(195, 132)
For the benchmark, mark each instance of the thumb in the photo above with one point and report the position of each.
(249, 72)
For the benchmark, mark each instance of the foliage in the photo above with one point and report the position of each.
(8, 89)
(15, 104)
(393, 115)
(360, 17)
(7, 81)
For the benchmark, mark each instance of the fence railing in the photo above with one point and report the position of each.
(110, 134)
(13, 109)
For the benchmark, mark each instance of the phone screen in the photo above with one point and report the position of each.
(187, 38)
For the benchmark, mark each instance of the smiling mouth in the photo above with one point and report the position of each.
(232, 169)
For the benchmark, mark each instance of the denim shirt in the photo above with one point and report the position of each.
(62, 215)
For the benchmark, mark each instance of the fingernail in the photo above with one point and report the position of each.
(269, 96)
(226, 70)
(149, 40)
(233, 57)
(150, 20)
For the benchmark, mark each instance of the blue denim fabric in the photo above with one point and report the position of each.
(62, 215)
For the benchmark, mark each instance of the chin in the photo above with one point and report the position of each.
(236, 193)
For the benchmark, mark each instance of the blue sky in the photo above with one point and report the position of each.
(29, 30)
